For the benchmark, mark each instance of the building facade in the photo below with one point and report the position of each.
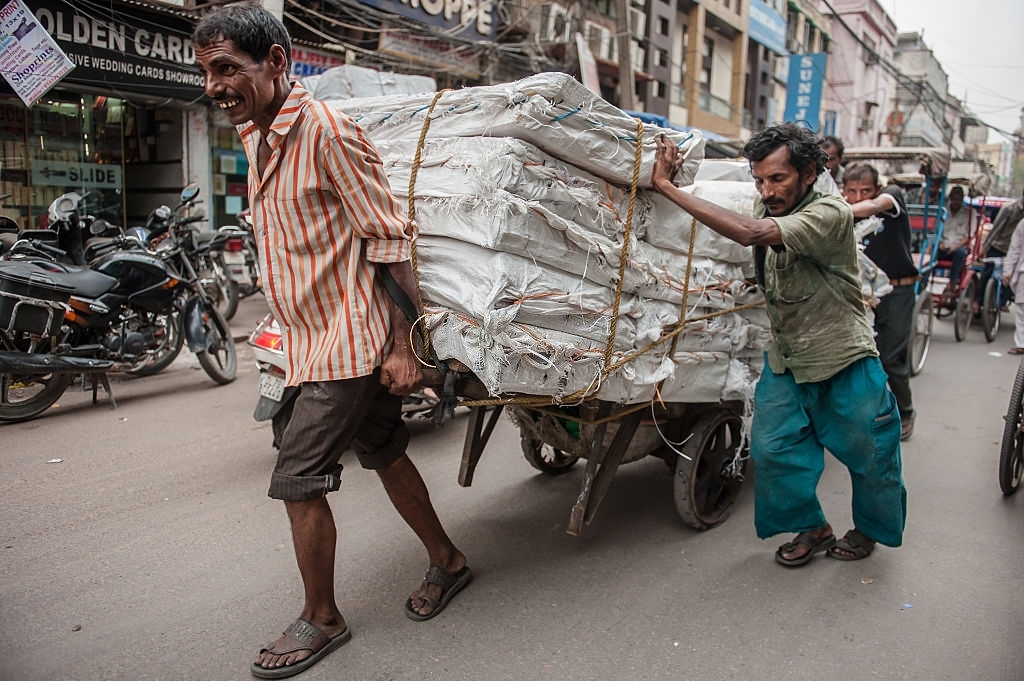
(130, 123)
(859, 101)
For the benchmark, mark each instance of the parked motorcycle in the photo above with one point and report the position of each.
(235, 245)
(123, 314)
(276, 400)
(201, 248)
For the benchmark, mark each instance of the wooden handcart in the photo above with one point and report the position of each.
(702, 444)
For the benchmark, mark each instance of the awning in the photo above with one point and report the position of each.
(663, 122)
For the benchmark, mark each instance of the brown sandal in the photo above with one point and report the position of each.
(853, 546)
(451, 583)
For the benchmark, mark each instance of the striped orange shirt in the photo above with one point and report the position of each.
(324, 214)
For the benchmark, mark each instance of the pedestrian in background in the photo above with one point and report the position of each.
(956, 233)
(889, 248)
(823, 386)
(996, 244)
(833, 146)
(329, 230)
(1013, 276)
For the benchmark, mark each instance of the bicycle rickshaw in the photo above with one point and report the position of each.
(988, 271)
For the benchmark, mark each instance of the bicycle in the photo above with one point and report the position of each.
(1011, 453)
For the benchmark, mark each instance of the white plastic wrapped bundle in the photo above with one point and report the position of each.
(503, 222)
(665, 225)
(348, 81)
(520, 358)
(507, 195)
(522, 199)
(483, 166)
(496, 288)
(553, 111)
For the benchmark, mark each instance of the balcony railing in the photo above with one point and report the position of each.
(677, 95)
(715, 105)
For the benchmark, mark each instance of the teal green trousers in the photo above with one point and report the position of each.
(854, 416)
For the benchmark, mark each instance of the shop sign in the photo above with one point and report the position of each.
(61, 173)
(147, 52)
(31, 61)
(470, 19)
(803, 89)
(436, 53)
(767, 27)
(309, 62)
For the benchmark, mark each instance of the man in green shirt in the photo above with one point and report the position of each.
(823, 386)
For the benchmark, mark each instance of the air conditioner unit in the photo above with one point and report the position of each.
(793, 46)
(637, 23)
(864, 123)
(872, 58)
(554, 23)
(639, 57)
(601, 41)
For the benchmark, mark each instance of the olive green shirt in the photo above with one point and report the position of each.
(812, 287)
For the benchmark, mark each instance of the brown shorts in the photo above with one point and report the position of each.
(328, 418)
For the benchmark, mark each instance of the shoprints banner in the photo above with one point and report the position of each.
(30, 60)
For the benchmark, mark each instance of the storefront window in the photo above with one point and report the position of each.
(230, 171)
(66, 143)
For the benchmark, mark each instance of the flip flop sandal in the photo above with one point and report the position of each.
(855, 544)
(813, 544)
(451, 583)
(300, 635)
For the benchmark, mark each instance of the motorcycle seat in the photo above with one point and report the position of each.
(87, 283)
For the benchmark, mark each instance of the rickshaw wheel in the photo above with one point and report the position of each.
(546, 458)
(921, 332)
(1011, 453)
(705, 484)
(962, 315)
(990, 310)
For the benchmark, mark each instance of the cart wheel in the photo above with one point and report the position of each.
(546, 458)
(705, 487)
(921, 332)
(962, 315)
(990, 310)
(1011, 454)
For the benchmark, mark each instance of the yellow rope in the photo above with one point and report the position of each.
(683, 305)
(623, 254)
(424, 332)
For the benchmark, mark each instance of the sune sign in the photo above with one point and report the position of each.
(31, 61)
(803, 89)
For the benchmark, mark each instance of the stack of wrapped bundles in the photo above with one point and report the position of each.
(521, 197)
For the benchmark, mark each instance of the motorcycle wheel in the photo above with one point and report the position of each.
(25, 396)
(220, 288)
(168, 344)
(219, 360)
(229, 289)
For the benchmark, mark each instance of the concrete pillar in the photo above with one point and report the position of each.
(196, 161)
(694, 54)
(740, 48)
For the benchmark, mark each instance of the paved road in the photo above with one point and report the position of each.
(151, 552)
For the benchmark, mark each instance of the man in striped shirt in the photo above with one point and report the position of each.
(327, 225)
